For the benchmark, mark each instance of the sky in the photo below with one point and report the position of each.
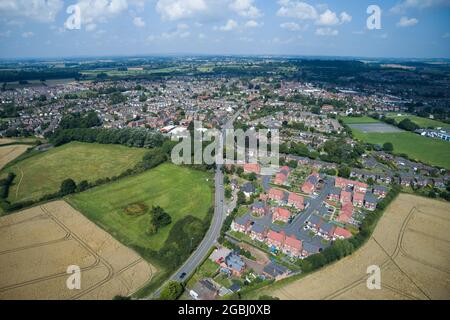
(71, 28)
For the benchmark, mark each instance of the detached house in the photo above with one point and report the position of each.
(258, 233)
(276, 195)
(242, 224)
(346, 213)
(292, 247)
(296, 201)
(342, 233)
(252, 168)
(358, 199)
(275, 239)
(281, 214)
(370, 201)
(334, 194)
(380, 191)
(260, 209)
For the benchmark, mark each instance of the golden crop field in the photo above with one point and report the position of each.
(9, 153)
(410, 245)
(37, 246)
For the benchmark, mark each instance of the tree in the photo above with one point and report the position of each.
(388, 147)
(344, 172)
(68, 186)
(241, 199)
(83, 185)
(171, 291)
(160, 218)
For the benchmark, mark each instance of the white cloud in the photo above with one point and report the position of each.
(406, 22)
(27, 34)
(291, 26)
(328, 18)
(138, 22)
(345, 17)
(38, 10)
(297, 9)
(245, 8)
(327, 32)
(229, 26)
(180, 9)
(404, 5)
(100, 11)
(252, 24)
(181, 32)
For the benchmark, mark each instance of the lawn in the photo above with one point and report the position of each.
(353, 120)
(421, 122)
(43, 173)
(180, 191)
(432, 151)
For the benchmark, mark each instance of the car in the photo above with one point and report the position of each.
(183, 275)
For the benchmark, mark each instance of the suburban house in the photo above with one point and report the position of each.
(242, 224)
(346, 213)
(252, 168)
(296, 201)
(248, 189)
(309, 249)
(276, 195)
(280, 179)
(342, 233)
(370, 201)
(346, 197)
(235, 264)
(259, 209)
(281, 214)
(275, 239)
(310, 184)
(380, 191)
(204, 290)
(292, 247)
(356, 185)
(358, 199)
(259, 232)
(275, 271)
(334, 195)
(327, 230)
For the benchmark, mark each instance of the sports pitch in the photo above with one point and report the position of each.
(374, 127)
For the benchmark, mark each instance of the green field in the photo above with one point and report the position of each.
(43, 173)
(354, 120)
(180, 191)
(421, 122)
(432, 151)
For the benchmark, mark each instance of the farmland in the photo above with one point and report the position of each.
(410, 245)
(9, 153)
(43, 173)
(432, 151)
(178, 190)
(38, 244)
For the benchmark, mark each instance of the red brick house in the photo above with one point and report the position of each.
(280, 179)
(296, 201)
(275, 239)
(292, 247)
(252, 168)
(342, 233)
(281, 214)
(276, 194)
(346, 213)
(358, 199)
(346, 197)
(308, 187)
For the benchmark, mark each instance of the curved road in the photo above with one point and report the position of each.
(210, 239)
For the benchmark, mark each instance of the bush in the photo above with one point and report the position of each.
(68, 186)
(171, 291)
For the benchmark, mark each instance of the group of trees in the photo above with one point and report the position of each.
(159, 219)
(138, 137)
(5, 184)
(80, 120)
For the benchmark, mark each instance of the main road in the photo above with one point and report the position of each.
(210, 239)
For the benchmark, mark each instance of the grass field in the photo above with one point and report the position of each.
(43, 173)
(353, 120)
(421, 122)
(38, 244)
(410, 245)
(178, 190)
(432, 151)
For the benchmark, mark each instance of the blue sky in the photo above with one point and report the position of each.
(409, 28)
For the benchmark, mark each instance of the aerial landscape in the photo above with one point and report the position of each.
(226, 150)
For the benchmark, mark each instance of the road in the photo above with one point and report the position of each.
(210, 239)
